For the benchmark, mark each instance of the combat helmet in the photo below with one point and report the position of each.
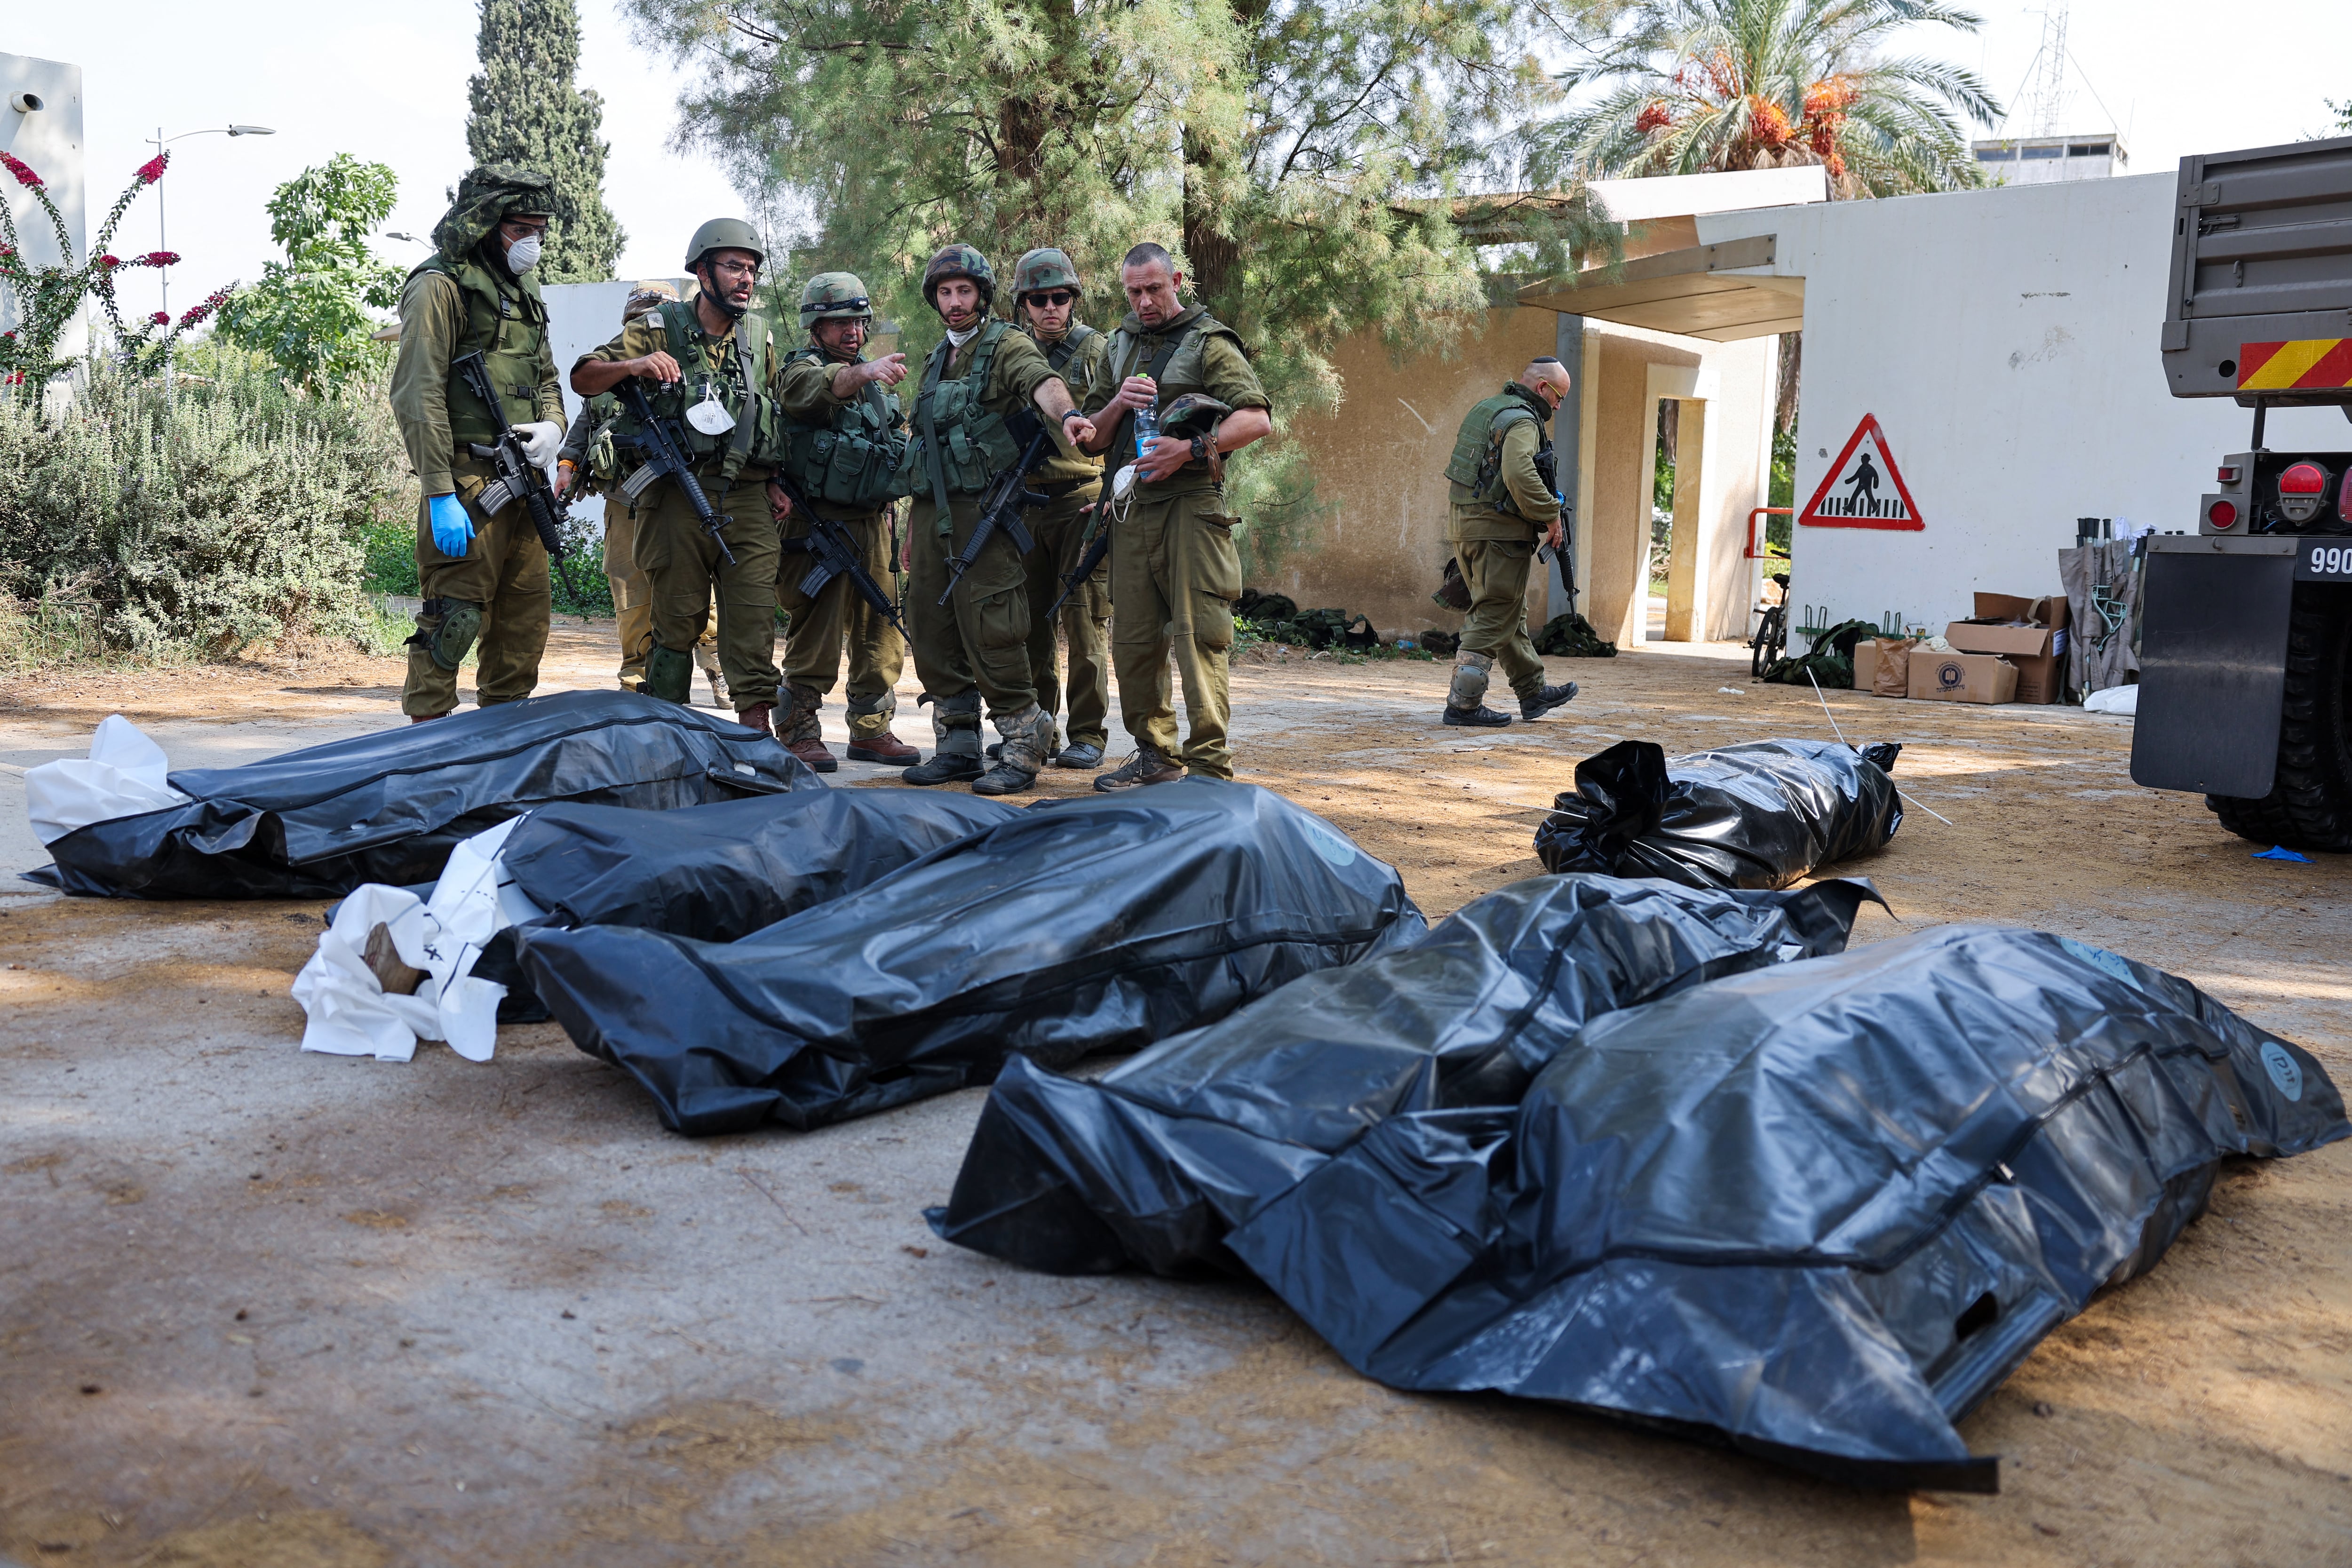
(647, 296)
(1046, 268)
(487, 194)
(724, 234)
(834, 297)
(958, 262)
(1196, 414)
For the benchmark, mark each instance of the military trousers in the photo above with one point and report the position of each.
(685, 571)
(978, 641)
(1174, 575)
(814, 640)
(633, 599)
(1496, 572)
(1060, 531)
(503, 571)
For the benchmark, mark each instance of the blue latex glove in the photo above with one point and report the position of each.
(452, 529)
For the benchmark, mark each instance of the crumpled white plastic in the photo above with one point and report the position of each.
(2124, 700)
(125, 774)
(351, 1012)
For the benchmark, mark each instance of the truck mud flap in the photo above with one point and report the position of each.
(2212, 664)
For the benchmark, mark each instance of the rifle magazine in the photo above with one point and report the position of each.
(494, 497)
(637, 484)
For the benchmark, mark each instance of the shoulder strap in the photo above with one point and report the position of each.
(675, 328)
(929, 426)
(1124, 437)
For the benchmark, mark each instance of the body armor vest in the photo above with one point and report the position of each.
(958, 443)
(507, 319)
(853, 461)
(757, 435)
(1478, 461)
(1060, 355)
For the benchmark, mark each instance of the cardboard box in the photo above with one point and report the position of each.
(1961, 677)
(1865, 663)
(2035, 647)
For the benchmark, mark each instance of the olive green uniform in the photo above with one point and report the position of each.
(449, 309)
(1175, 572)
(1494, 527)
(681, 562)
(588, 447)
(976, 645)
(1075, 483)
(813, 641)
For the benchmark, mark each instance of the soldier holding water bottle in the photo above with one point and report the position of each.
(1177, 395)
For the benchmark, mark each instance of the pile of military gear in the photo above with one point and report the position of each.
(1830, 662)
(1755, 816)
(1078, 926)
(389, 807)
(1278, 618)
(1570, 635)
(1656, 1153)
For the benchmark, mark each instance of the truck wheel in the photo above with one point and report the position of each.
(2310, 803)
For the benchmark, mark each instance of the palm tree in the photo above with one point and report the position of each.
(1693, 86)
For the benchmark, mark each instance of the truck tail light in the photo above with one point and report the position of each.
(2222, 514)
(2302, 491)
(2344, 504)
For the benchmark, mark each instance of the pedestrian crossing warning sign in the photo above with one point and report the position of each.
(1863, 488)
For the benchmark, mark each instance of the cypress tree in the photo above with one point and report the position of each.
(527, 110)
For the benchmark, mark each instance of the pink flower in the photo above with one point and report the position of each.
(162, 259)
(110, 261)
(152, 169)
(161, 318)
(22, 170)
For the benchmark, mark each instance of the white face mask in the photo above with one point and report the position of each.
(522, 254)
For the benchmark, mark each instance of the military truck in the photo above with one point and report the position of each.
(2246, 625)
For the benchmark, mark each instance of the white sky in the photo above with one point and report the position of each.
(388, 83)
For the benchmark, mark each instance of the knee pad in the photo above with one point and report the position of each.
(449, 643)
(669, 674)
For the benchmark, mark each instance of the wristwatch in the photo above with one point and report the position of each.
(1200, 449)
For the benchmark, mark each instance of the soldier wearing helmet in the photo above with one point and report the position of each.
(843, 447)
(483, 578)
(710, 366)
(1174, 571)
(1045, 295)
(982, 375)
(587, 466)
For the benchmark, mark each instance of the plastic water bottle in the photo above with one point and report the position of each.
(1147, 430)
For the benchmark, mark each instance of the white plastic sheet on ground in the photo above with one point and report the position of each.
(2123, 699)
(124, 774)
(351, 1012)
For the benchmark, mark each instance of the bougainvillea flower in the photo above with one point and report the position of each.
(152, 169)
(22, 170)
(161, 318)
(110, 261)
(162, 259)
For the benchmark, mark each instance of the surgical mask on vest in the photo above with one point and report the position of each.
(522, 254)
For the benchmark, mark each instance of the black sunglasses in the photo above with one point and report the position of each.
(1057, 299)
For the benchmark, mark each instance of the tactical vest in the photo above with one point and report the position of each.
(507, 319)
(604, 464)
(958, 443)
(856, 459)
(1060, 355)
(1478, 461)
(757, 435)
(1187, 369)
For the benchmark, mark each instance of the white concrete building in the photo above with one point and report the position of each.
(2049, 160)
(41, 125)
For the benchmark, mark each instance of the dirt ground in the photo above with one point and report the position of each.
(260, 1308)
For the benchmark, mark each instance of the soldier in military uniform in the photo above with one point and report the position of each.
(1174, 571)
(1045, 293)
(588, 466)
(975, 645)
(1501, 509)
(485, 579)
(842, 452)
(712, 367)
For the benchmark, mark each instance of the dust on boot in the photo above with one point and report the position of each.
(798, 726)
(955, 729)
(870, 738)
(1465, 700)
(1028, 742)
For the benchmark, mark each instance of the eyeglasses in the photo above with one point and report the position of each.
(1057, 299)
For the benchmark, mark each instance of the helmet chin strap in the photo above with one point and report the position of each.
(710, 292)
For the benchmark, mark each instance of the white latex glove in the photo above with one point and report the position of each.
(542, 438)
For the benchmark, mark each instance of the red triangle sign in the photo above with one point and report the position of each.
(1863, 488)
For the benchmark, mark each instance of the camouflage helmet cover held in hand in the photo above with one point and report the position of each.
(724, 234)
(647, 296)
(486, 195)
(958, 262)
(1193, 413)
(835, 297)
(1043, 269)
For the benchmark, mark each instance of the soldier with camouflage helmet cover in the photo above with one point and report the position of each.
(1045, 295)
(843, 446)
(484, 578)
(974, 646)
(709, 373)
(589, 466)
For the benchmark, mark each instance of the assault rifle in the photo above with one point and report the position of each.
(1547, 470)
(663, 458)
(1092, 548)
(1007, 496)
(518, 480)
(833, 552)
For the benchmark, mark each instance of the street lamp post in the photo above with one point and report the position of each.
(163, 242)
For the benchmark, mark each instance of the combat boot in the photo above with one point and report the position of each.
(1146, 767)
(1027, 734)
(1465, 699)
(1547, 698)
(757, 717)
(955, 758)
(798, 728)
(1080, 754)
(885, 747)
(706, 654)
